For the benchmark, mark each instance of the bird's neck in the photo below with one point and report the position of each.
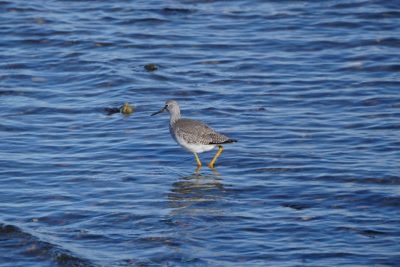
(174, 118)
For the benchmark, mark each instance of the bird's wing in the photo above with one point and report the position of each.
(193, 131)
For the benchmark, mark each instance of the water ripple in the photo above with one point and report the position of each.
(310, 90)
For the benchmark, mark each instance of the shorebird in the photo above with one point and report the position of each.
(192, 135)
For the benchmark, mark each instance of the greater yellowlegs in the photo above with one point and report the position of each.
(193, 135)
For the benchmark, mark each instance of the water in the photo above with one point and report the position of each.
(310, 90)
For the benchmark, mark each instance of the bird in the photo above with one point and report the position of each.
(193, 135)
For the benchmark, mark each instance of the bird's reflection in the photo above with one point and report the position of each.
(196, 206)
(196, 194)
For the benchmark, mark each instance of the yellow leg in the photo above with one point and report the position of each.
(211, 165)
(198, 161)
(197, 171)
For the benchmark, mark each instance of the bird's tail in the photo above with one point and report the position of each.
(225, 142)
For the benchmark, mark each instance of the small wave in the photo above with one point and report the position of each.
(175, 10)
(339, 24)
(24, 246)
(365, 232)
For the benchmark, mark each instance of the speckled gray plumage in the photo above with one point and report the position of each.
(196, 132)
(191, 132)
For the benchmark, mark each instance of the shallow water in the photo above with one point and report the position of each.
(310, 90)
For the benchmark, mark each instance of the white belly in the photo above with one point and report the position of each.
(196, 148)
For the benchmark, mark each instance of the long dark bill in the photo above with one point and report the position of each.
(158, 112)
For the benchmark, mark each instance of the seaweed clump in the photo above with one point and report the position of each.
(125, 109)
(151, 67)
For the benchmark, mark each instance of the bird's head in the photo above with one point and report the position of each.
(171, 106)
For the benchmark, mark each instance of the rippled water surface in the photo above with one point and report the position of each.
(310, 89)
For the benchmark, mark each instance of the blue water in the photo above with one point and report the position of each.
(310, 89)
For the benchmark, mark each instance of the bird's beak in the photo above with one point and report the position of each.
(160, 111)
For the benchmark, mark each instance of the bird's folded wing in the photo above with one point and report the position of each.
(197, 132)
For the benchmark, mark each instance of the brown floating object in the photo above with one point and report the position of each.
(151, 67)
(127, 109)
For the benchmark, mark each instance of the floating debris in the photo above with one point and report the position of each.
(100, 44)
(111, 111)
(151, 67)
(125, 109)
